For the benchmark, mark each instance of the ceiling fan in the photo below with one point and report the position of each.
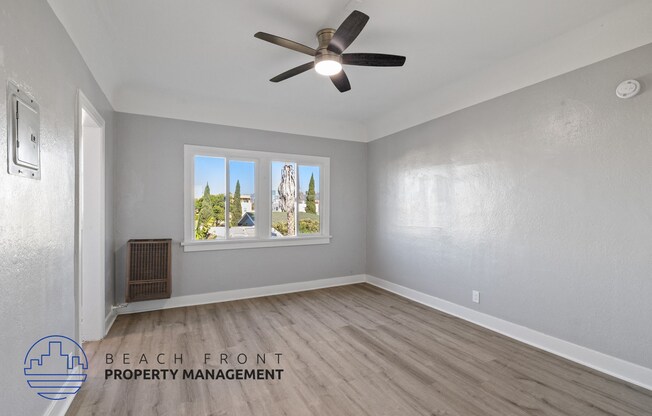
(329, 56)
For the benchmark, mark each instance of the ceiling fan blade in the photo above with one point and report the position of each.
(348, 31)
(341, 81)
(292, 72)
(372, 59)
(286, 43)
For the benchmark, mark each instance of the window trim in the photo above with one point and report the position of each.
(263, 191)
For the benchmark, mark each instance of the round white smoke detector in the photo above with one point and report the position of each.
(628, 89)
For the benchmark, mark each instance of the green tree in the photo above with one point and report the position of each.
(236, 206)
(310, 197)
(207, 192)
(308, 226)
(281, 227)
(217, 201)
(205, 216)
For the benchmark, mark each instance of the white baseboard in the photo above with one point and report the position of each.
(228, 295)
(109, 320)
(624, 370)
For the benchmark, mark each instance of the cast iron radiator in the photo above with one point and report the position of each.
(149, 274)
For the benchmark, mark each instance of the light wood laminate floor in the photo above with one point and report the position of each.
(350, 350)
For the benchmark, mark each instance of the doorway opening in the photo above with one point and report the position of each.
(91, 265)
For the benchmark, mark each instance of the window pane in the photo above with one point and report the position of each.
(209, 190)
(241, 203)
(284, 189)
(308, 199)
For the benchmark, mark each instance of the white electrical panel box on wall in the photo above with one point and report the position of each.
(23, 134)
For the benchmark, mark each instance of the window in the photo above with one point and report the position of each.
(245, 199)
(308, 181)
(295, 199)
(242, 181)
(209, 220)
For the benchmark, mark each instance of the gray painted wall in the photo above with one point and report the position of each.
(37, 221)
(541, 199)
(149, 204)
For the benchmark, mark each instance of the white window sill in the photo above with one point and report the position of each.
(253, 243)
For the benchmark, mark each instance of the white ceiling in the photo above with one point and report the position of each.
(198, 59)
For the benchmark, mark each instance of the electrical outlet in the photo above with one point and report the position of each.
(476, 296)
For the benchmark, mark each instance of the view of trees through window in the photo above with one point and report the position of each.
(225, 199)
(308, 200)
(295, 199)
(209, 190)
(210, 219)
(241, 206)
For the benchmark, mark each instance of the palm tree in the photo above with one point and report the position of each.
(287, 191)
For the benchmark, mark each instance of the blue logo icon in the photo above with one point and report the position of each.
(53, 373)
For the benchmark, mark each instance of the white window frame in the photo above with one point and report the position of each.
(263, 191)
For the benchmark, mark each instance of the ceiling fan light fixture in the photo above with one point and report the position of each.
(327, 63)
(328, 67)
(329, 55)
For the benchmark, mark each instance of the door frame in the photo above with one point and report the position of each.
(94, 297)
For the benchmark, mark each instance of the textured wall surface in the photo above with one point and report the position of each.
(37, 219)
(149, 204)
(541, 199)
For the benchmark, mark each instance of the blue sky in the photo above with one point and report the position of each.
(304, 176)
(244, 172)
(211, 170)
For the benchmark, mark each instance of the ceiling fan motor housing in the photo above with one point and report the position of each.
(324, 37)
